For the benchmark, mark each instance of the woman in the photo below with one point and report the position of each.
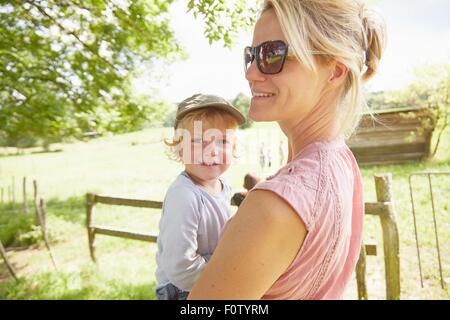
(298, 234)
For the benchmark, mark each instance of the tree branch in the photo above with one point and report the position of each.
(72, 33)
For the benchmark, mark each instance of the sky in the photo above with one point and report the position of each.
(418, 33)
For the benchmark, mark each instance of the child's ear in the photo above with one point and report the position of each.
(179, 149)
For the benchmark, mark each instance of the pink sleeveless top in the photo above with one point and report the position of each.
(324, 186)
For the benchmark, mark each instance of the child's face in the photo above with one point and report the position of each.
(207, 149)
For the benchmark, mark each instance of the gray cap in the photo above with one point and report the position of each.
(199, 101)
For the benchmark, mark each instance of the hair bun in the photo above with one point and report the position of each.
(374, 41)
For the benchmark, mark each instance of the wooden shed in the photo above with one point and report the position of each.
(393, 136)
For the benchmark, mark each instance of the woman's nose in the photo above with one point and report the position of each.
(253, 73)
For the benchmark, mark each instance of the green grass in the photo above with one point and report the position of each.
(135, 165)
(17, 229)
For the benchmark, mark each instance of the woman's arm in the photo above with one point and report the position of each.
(259, 244)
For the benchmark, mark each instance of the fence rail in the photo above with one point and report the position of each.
(128, 202)
(93, 229)
(383, 208)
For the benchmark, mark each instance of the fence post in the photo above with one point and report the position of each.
(25, 198)
(36, 202)
(90, 202)
(8, 264)
(42, 215)
(13, 190)
(361, 274)
(390, 237)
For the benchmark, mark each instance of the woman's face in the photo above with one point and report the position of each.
(293, 92)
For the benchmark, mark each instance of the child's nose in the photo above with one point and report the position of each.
(214, 149)
(211, 152)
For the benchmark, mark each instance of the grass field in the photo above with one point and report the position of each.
(135, 165)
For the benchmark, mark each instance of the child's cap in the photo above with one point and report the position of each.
(198, 101)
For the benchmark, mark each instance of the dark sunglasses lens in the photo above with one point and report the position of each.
(271, 56)
(248, 59)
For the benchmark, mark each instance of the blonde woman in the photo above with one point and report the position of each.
(298, 234)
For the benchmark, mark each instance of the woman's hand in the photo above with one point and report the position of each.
(258, 245)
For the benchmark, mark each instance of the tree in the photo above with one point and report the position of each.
(242, 103)
(224, 19)
(432, 87)
(383, 100)
(65, 66)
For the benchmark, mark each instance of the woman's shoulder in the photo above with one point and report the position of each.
(314, 166)
(304, 181)
(300, 172)
(295, 186)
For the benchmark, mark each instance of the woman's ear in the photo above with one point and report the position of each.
(339, 73)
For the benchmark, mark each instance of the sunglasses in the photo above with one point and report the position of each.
(270, 56)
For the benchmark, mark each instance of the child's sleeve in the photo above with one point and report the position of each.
(178, 255)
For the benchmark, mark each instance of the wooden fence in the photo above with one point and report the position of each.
(394, 136)
(93, 229)
(40, 220)
(383, 208)
(7, 263)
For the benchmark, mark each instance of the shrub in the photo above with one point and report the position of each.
(18, 229)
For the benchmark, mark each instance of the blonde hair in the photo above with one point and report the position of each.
(342, 30)
(213, 116)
